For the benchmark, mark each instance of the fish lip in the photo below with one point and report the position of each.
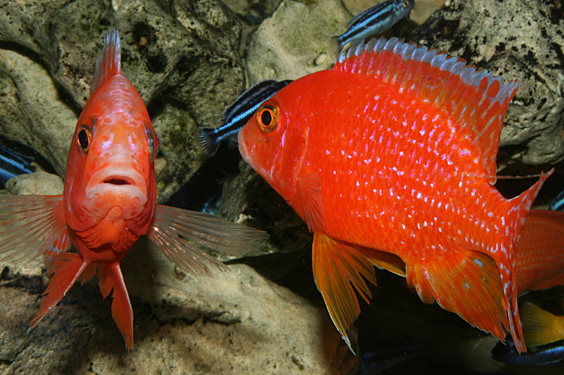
(126, 179)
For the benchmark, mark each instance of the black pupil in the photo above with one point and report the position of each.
(83, 139)
(266, 118)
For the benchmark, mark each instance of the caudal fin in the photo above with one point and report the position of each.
(66, 268)
(111, 278)
(540, 326)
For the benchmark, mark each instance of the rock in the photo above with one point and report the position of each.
(524, 44)
(233, 322)
(296, 40)
(182, 58)
(39, 183)
(419, 14)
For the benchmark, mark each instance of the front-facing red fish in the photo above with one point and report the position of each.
(392, 154)
(109, 202)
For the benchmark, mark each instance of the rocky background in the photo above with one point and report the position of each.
(189, 60)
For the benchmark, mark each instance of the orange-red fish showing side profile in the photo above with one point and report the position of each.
(109, 202)
(394, 150)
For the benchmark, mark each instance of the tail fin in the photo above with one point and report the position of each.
(541, 327)
(506, 258)
(109, 64)
(66, 268)
(209, 142)
(111, 278)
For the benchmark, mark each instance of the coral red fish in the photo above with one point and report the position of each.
(390, 154)
(540, 254)
(109, 202)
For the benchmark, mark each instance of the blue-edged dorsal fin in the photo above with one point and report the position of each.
(474, 100)
(109, 64)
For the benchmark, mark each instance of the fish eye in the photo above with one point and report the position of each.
(405, 4)
(267, 118)
(83, 138)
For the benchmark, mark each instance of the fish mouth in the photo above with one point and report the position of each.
(123, 181)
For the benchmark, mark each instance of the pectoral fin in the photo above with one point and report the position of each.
(339, 269)
(309, 202)
(31, 225)
(177, 233)
(466, 283)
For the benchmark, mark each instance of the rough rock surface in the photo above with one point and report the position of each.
(181, 56)
(39, 183)
(235, 322)
(519, 40)
(296, 40)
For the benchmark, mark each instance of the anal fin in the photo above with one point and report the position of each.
(466, 283)
(339, 269)
(111, 278)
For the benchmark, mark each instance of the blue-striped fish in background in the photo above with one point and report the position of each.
(375, 20)
(238, 114)
(13, 164)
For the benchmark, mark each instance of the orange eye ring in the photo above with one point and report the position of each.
(267, 118)
(83, 138)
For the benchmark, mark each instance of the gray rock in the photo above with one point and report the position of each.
(234, 322)
(296, 40)
(181, 56)
(39, 183)
(519, 40)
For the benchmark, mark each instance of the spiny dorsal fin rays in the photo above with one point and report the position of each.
(173, 228)
(109, 64)
(474, 100)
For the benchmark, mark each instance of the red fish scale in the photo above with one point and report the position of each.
(407, 178)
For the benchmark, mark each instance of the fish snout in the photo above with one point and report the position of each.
(116, 186)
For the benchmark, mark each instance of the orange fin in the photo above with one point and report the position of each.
(384, 261)
(111, 278)
(466, 283)
(109, 64)
(541, 327)
(61, 244)
(337, 268)
(66, 268)
(309, 201)
(30, 224)
(475, 100)
(540, 254)
(197, 228)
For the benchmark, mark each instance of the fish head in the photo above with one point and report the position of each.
(274, 141)
(110, 179)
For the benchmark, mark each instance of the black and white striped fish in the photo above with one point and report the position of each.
(375, 20)
(13, 164)
(238, 114)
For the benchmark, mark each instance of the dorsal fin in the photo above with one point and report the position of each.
(109, 64)
(474, 99)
